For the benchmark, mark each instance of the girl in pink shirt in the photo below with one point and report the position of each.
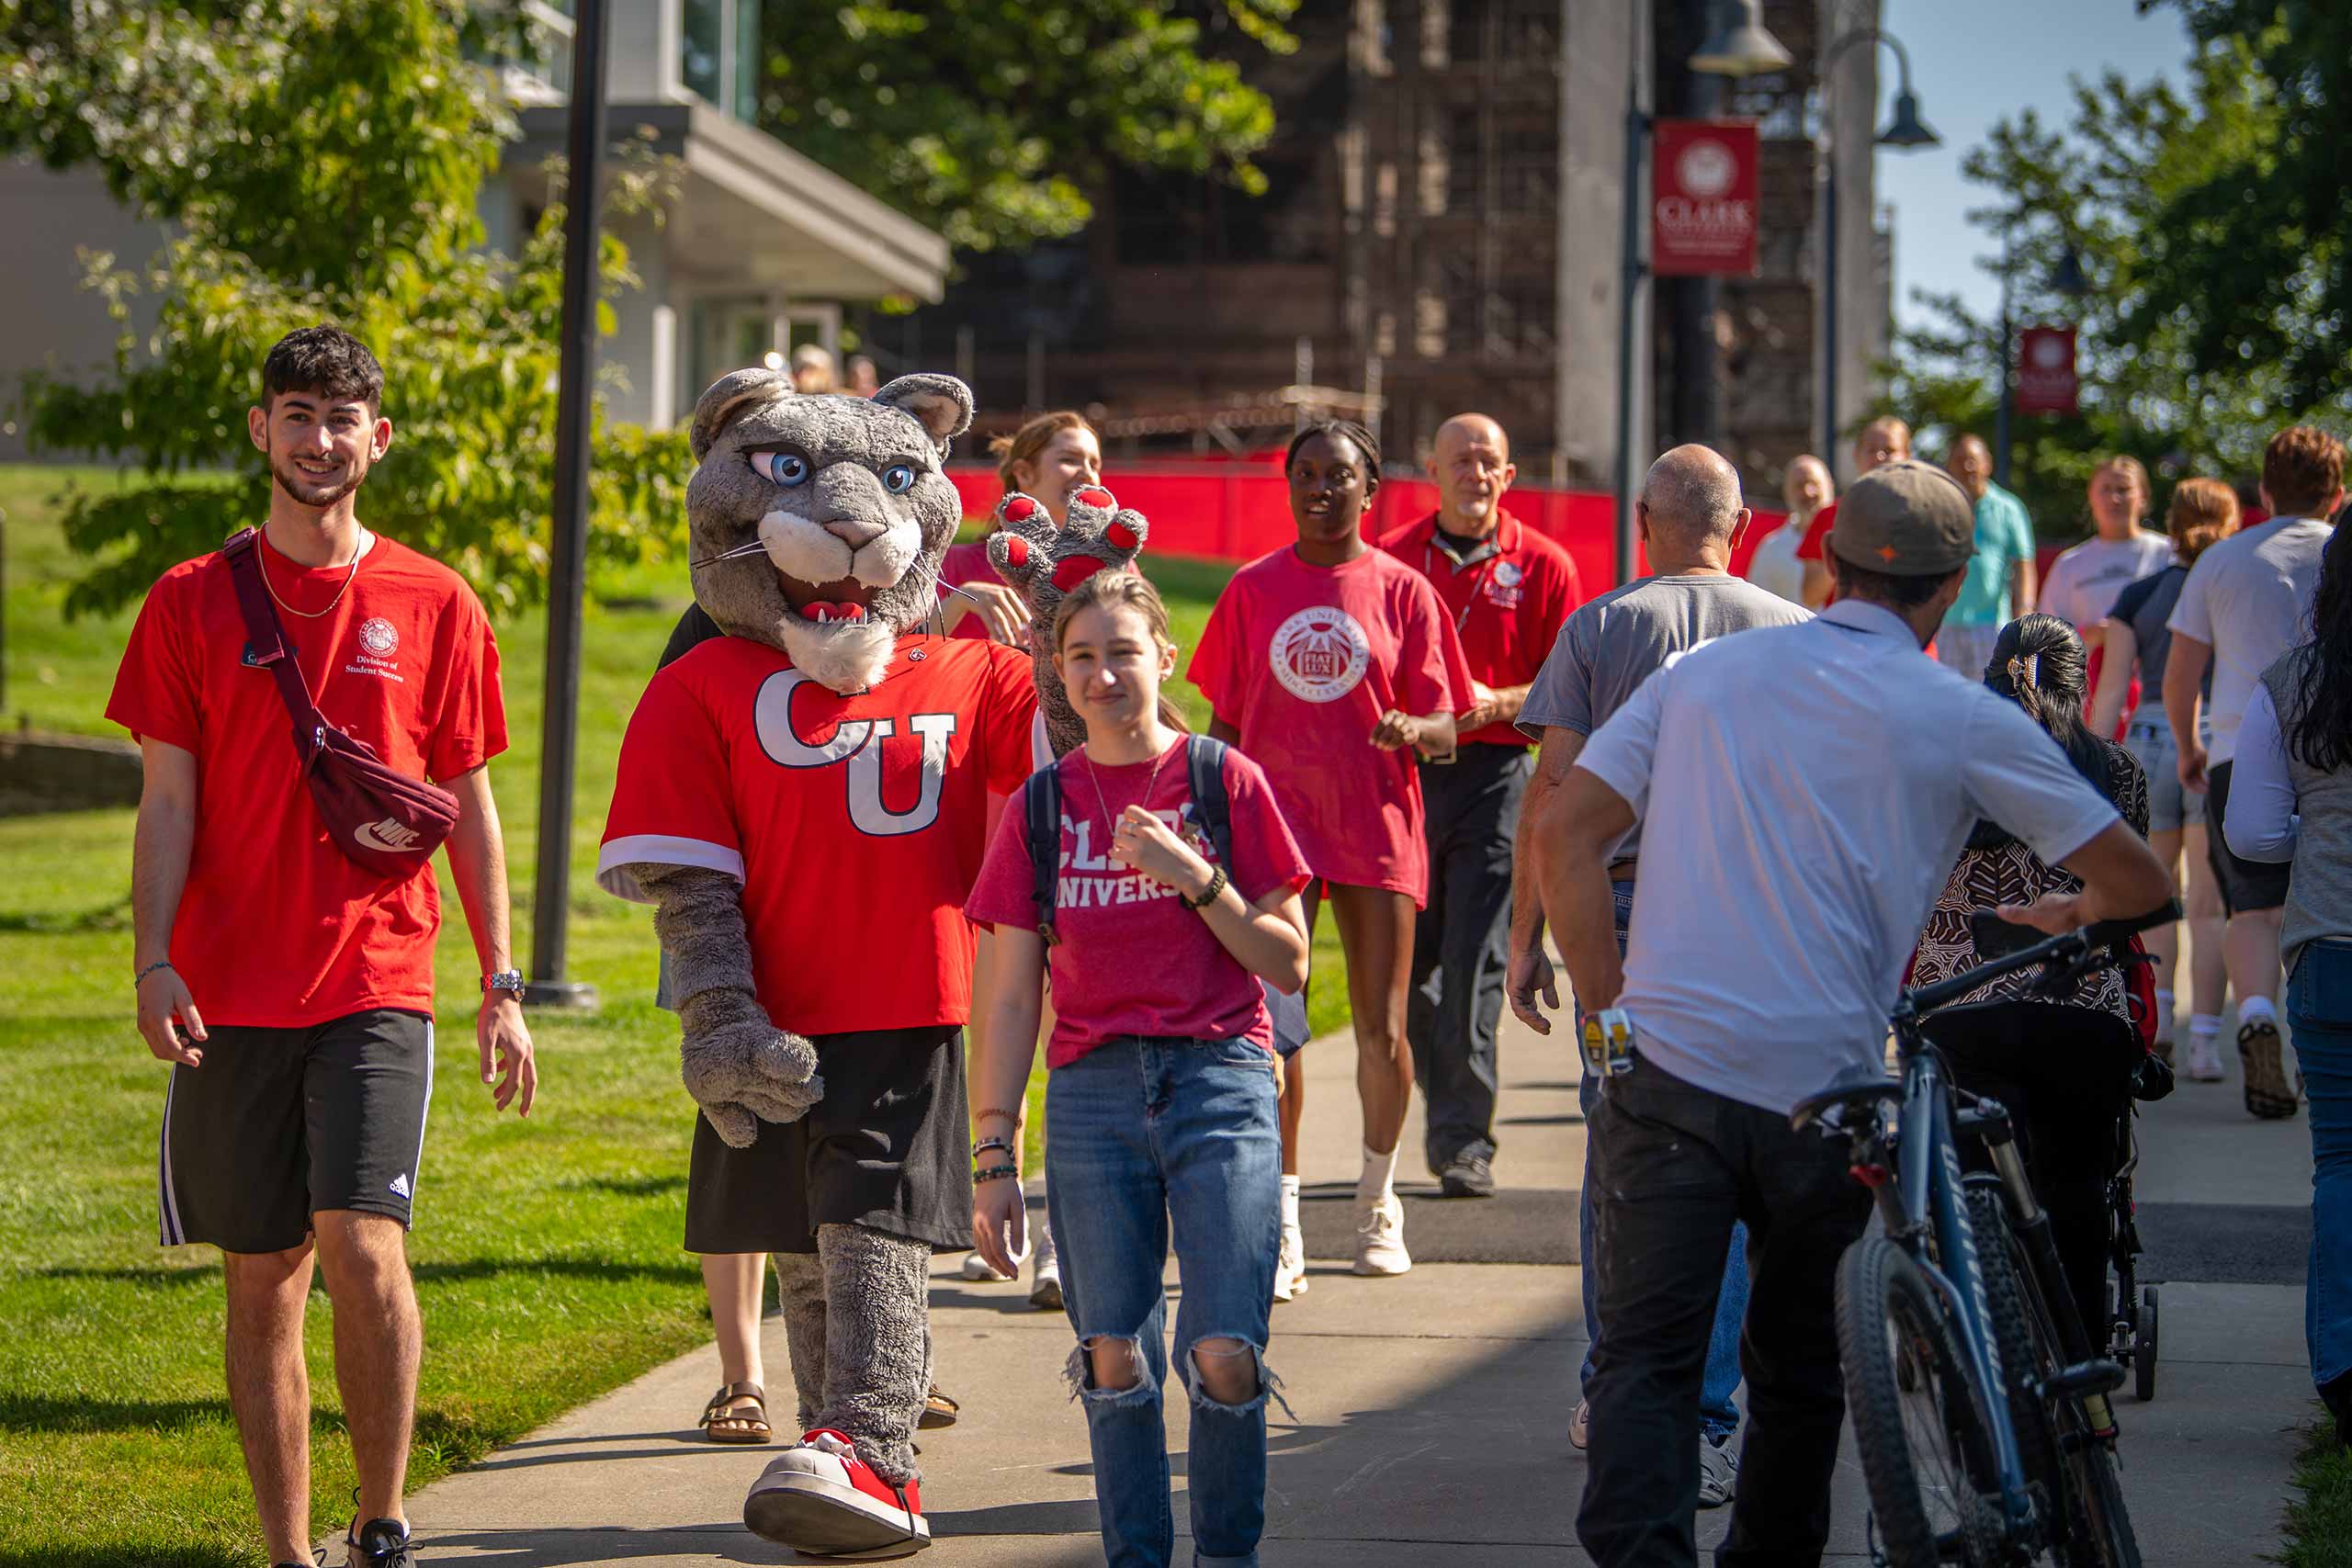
(1160, 1106)
(1332, 663)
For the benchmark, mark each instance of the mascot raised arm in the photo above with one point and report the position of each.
(804, 800)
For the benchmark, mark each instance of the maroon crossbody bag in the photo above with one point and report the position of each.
(377, 816)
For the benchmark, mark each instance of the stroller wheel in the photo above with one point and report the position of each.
(2143, 1348)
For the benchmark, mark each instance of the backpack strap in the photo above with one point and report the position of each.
(1204, 772)
(1041, 806)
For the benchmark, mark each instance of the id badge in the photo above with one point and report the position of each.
(1608, 1043)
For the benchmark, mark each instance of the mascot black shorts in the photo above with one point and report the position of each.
(278, 1124)
(889, 1148)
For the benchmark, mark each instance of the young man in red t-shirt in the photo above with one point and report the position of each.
(1509, 589)
(291, 988)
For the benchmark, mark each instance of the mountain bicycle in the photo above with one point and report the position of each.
(1980, 1403)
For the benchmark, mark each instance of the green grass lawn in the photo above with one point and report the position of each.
(2319, 1523)
(546, 1251)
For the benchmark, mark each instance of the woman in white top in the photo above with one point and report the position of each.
(2083, 581)
(1807, 488)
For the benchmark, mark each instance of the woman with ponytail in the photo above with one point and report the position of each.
(2291, 800)
(2065, 1065)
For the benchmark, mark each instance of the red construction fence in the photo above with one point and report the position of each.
(1238, 510)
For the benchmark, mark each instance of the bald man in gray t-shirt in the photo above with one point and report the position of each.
(1690, 517)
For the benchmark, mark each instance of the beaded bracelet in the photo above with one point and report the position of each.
(141, 979)
(983, 1114)
(996, 1173)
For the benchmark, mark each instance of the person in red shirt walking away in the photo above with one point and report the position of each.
(291, 987)
(1882, 441)
(1333, 664)
(1508, 588)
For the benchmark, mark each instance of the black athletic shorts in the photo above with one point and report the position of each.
(889, 1148)
(2246, 884)
(278, 1124)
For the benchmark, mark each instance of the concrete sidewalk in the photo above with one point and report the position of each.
(1432, 1410)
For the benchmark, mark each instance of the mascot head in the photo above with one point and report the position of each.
(816, 524)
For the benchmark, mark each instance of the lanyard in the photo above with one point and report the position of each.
(1429, 570)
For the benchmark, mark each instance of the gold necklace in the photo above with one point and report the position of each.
(1103, 801)
(357, 550)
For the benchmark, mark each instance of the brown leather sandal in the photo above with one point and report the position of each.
(938, 1410)
(722, 1424)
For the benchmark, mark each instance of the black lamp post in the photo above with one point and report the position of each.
(1740, 46)
(2067, 277)
(567, 558)
(1907, 130)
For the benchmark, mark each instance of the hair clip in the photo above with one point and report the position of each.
(2023, 667)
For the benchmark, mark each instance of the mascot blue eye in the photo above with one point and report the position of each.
(786, 468)
(898, 479)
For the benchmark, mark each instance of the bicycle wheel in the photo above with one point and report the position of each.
(1919, 1417)
(2029, 1350)
(2143, 1348)
(2102, 1526)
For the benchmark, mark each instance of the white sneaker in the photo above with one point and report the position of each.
(1046, 1280)
(1580, 1426)
(2205, 1059)
(980, 1271)
(1290, 1265)
(1380, 1237)
(1718, 1471)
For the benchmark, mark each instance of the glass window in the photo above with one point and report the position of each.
(719, 61)
(705, 31)
(744, 103)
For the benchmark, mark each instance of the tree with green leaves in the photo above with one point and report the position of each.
(2198, 335)
(321, 161)
(992, 119)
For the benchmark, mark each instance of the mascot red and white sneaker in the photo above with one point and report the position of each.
(827, 1502)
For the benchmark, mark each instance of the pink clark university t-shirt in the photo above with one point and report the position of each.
(1302, 661)
(1131, 959)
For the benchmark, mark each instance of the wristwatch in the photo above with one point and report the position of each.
(505, 980)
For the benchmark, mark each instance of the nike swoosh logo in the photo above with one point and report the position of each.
(369, 836)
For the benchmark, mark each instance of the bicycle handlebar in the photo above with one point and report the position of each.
(2066, 947)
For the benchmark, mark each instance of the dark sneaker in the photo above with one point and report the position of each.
(318, 1559)
(1466, 1175)
(2267, 1093)
(381, 1543)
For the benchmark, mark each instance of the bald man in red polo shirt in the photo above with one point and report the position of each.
(1508, 588)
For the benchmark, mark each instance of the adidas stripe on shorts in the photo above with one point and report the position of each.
(278, 1124)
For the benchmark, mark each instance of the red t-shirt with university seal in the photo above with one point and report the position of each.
(1302, 661)
(855, 824)
(1508, 602)
(277, 929)
(1131, 959)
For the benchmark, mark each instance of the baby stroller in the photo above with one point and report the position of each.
(2132, 1308)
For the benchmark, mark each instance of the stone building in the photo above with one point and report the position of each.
(1442, 228)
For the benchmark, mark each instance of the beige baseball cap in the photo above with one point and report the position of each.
(1906, 519)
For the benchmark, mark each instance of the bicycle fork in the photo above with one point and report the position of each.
(2086, 1375)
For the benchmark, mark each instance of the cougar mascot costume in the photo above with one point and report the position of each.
(804, 802)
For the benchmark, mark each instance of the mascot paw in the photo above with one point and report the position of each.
(1043, 562)
(736, 1126)
(745, 1063)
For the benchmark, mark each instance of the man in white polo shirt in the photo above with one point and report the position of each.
(1818, 781)
(2246, 600)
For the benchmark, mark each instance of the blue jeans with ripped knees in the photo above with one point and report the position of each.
(1718, 1416)
(1149, 1140)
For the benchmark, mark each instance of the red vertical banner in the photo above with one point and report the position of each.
(2047, 380)
(1703, 198)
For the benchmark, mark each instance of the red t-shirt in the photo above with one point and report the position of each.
(1131, 959)
(1507, 606)
(277, 928)
(1816, 535)
(1302, 661)
(855, 824)
(966, 562)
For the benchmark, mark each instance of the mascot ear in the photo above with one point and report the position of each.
(941, 404)
(728, 395)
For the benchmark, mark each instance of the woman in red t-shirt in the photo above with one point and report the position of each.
(1332, 663)
(1050, 458)
(1160, 1106)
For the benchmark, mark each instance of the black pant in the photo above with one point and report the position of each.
(2064, 1076)
(1462, 943)
(1673, 1165)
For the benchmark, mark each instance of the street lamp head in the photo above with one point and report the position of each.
(1908, 129)
(1743, 46)
(2068, 277)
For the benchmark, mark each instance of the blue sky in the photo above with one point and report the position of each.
(1974, 64)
